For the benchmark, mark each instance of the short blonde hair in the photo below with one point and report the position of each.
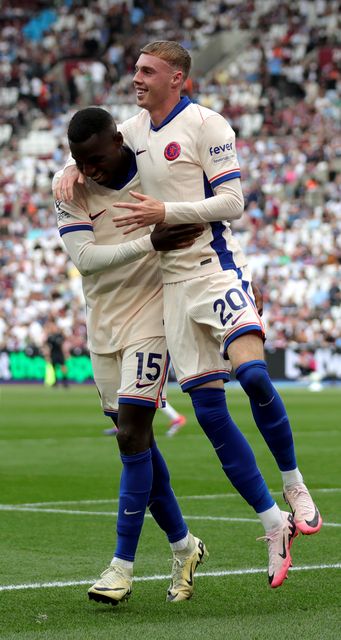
(172, 52)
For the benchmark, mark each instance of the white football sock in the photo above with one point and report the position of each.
(123, 563)
(291, 477)
(271, 518)
(180, 545)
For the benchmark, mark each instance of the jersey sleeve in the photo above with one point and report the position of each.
(217, 151)
(76, 231)
(216, 154)
(227, 203)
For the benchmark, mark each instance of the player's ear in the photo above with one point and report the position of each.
(118, 138)
(177, 79)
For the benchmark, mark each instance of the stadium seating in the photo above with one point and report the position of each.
(281, 94)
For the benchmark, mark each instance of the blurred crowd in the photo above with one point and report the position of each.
(281, 94)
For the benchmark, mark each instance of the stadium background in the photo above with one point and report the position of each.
(273, 69)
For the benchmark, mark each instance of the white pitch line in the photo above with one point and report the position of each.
(113, 514)
(208, 574)
(211, 496)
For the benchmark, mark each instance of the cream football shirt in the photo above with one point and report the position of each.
(185, 161)
(121, 276)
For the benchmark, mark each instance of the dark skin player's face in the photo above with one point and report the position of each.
(101, 157)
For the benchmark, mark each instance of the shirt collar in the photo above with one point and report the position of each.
(180, 106)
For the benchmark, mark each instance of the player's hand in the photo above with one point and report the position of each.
(258, 298)
(146, 212)
(167, 237)
(64, 189)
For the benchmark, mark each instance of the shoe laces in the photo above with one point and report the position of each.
(270, 537)
(177, 567)
(111, 572)
(178, 562)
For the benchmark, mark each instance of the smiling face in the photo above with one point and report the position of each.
(100, 156)
(157, 85)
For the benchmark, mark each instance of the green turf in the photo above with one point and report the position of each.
(52, 450)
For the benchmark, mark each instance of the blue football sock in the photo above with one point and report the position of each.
(232, 449)
(162, 502)
(136, 483)
(269, 412)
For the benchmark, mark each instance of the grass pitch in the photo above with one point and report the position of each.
(59, 484)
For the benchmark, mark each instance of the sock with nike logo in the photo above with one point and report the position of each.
(232, 448)
(163, 504)
(268, 411)
(135, 487)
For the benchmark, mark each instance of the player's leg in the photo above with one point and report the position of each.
(134, 435)
(247, 358)
(63, 369)
(206, 388)
(241, 335)
(144, 470)
(188, 551)
(114, 584)
(176, 419)
(239, 465)
(55, 369)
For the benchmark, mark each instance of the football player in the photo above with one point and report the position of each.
(122, 286)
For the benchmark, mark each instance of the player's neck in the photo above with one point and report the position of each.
(160, 113)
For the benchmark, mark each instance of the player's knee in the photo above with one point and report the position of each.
(134, 428)
(253, 377)
(132, 440)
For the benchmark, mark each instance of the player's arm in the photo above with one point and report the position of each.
(90, 257)
(76, 230)
(227, 204)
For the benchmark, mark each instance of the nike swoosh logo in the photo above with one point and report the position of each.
(284, 552)
(237, 318)
(315, 520)
(292, 528)
(220, 446)
(130, 513)
(265, 404)
(140, 385)
(93, 216)
(138, 151)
